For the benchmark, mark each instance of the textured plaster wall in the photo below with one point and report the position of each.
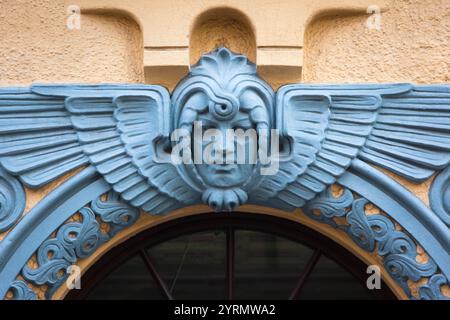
(222, 27)
(413, 45)
(36, 45)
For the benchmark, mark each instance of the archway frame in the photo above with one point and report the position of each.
(425, 228)
(236, 221)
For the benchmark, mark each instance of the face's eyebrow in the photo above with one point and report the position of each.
(206, 121)
(205, 116)
(241, 116)
(243, 121)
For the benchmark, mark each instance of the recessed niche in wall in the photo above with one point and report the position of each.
(222, 27)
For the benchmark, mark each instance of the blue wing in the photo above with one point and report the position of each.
(49, 130)
(402, 128)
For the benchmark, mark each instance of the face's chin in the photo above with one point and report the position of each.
(224, 175)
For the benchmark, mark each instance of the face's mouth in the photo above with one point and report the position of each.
(223, 168)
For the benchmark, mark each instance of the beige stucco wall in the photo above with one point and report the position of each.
(35, 45)
(413, 45)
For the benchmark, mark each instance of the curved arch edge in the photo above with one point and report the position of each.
(31, 234)
(12, 200)
(424, 226)
(38, 224)
(440, 196)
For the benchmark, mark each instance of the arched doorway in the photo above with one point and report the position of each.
(228, 256)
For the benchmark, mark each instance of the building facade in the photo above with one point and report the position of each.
(53, 223)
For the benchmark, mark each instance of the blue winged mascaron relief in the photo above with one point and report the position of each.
(126, 133)
(294, 145)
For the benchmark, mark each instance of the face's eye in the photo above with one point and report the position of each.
(243, 125)
(208, 127)
(207, 124)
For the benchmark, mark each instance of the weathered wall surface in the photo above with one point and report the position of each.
(37, 46)
(413, 45)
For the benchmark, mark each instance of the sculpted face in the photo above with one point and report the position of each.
(225, 174)
(234, 106)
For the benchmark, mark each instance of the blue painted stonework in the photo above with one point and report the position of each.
(440, 196)
(49, 130)
(12, 200)
(396, 247)
(122, 135)
(21, 291)
(78, 239)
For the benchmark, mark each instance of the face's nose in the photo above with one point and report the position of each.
(225, 150)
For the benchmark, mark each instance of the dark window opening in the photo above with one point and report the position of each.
(228, 256)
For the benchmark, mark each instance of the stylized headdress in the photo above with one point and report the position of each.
(223, 77)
